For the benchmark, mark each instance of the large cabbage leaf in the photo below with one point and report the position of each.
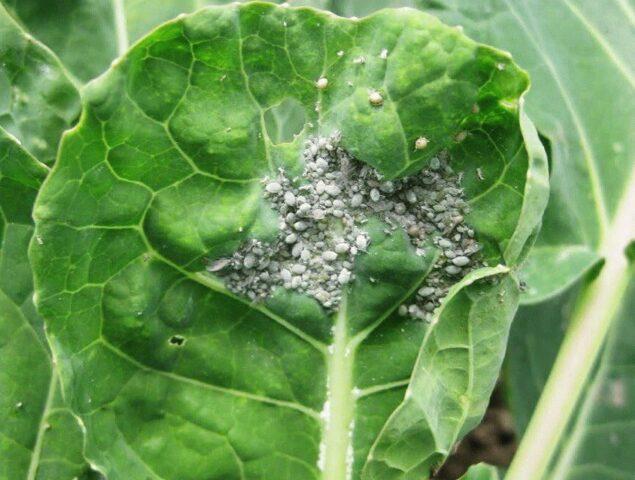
(163, 171)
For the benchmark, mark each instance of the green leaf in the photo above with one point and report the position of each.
(481, 471)
(39, 438)
(38, 100)
(163, 171)
(598, 438)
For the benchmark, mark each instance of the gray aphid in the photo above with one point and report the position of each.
(460, 261)
(273, 187)
(329, 256)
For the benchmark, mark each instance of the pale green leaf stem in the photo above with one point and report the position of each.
(121, 30)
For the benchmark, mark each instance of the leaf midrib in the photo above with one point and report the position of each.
(340, 401)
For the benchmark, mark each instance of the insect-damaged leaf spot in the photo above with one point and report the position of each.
(177, 340)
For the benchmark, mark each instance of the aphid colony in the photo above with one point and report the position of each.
(321, 228)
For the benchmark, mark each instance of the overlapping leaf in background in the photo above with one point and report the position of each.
(600, 439)
(89, 34)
